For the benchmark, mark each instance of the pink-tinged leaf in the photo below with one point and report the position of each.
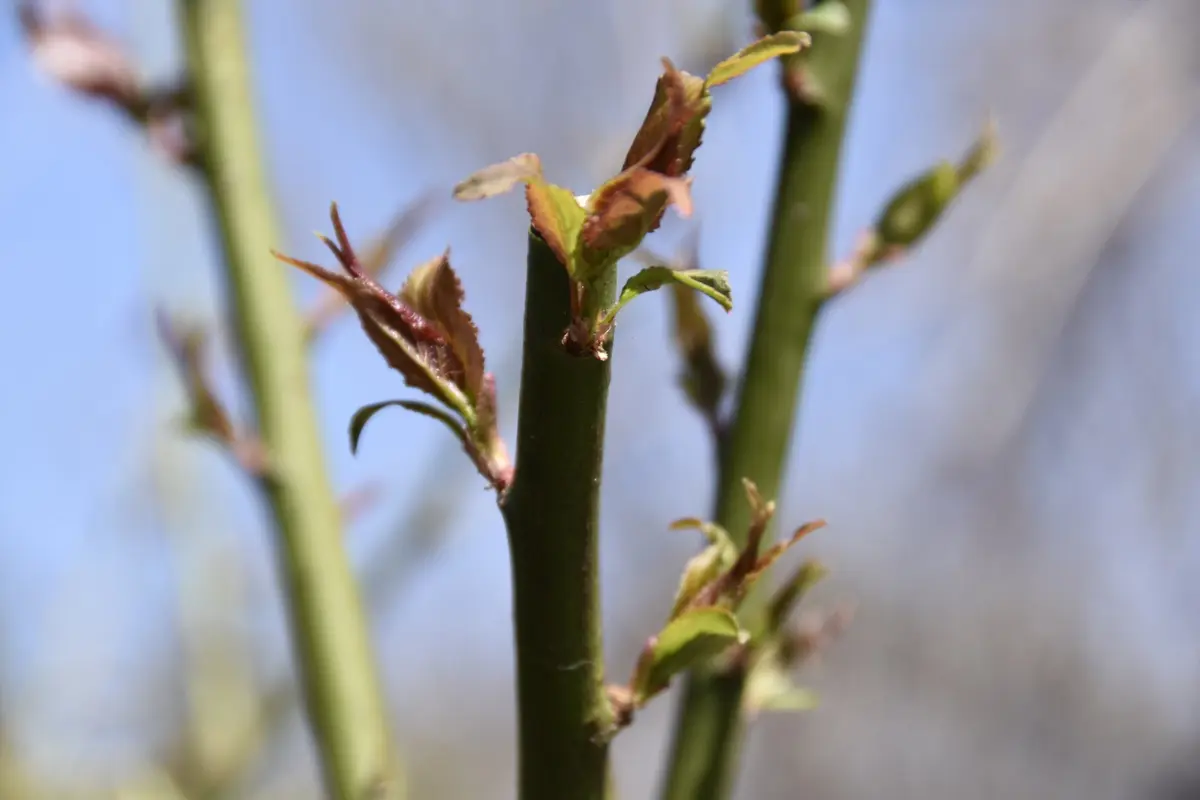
(70, 50)
(435, 292)
(672, 128)
(730, 586)
(629, 206)
(361, 417)
(499, 178)
(553, 211)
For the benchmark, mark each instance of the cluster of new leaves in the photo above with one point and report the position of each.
(425, 335)
(703, 624)
(914, 209)
(590, 234)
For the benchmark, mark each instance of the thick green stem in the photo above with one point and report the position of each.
(329, 633)
(708, 729)
(552, 513)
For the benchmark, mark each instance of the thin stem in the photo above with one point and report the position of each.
(329, 634)
(552, 514)
(708, 729)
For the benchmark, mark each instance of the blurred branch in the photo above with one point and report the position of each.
(820, 85)
(329, 632)
(68, 49)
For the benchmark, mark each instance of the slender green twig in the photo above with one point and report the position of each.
(329, 633)
(552, 515)
(708, 728)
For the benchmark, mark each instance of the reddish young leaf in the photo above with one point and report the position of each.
(629, 206)
(671, 130)
(434, 292)
(411, 344)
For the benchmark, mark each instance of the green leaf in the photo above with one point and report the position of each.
(830, 16)
(364, 414)
(760, 52)
(714, 533)
(712, 283)
(687, 640)
(557, 217)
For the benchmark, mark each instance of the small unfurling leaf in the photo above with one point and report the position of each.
(673, 126)
(378, 255)
(499, 178)
(914, 210)
(730, 587)
(711, 283)
(363, 415)
(766, 49)
(554, 212)
(685, 641)
(705, 566)
(434, 292)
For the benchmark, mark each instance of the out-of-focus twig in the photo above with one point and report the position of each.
(70, 50)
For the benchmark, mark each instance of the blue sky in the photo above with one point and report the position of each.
(97, 230)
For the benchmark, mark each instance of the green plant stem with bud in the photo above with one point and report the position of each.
(329, 633)
(552, 515)
(708, 729)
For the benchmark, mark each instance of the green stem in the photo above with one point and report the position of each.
(329, 633)
(708, 728)
(552, 514)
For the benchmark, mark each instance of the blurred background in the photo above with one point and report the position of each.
(1001, 430)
